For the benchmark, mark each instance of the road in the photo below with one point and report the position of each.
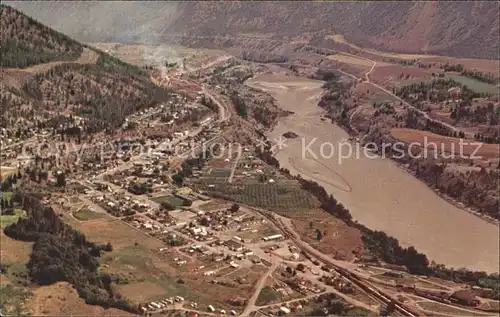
(233, 168)
(224, 113)
(343, 268)
(367, 75)
(252, 300)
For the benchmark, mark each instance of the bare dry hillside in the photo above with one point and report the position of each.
(463, 29)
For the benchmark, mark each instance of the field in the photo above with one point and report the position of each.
(267, 296)
(174, 201)
(448, 144)
(263, 230)
(6, 220)
(475, 85)
(340, 39)
(338, 239)
(405, 279)
(214, 205)
(147, 274)
(15, 255)
(389, 75)
(138, 265)
(6, 171)
(62, 299)
(6, 195)
(446, 309)
(140, 54)
(107, 229)
(85, 214)
(282, 196)
(13, 250)
(380, 97)
(13, 299)
(483, 65)
(142, 291)
(358, 61)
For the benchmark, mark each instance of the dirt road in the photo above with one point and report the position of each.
(423, 113)
(262, 282)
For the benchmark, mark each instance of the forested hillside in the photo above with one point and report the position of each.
(64, 76)
(26, 42)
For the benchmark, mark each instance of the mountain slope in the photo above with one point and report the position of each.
(25, 42)
(462, 29)
(66, 77)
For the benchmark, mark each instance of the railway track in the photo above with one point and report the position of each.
(352, 277)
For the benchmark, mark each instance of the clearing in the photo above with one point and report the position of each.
(475, 84)
(484, 65)
(338, 239)
(141, 292)
(13, 250)
(107, 229)
(170, 199)
(6, 220)
(6, 170)
(267, 296)
(88, 57)
(62, 299)
(446, 144)
(85, 214)
(13, 300)
(448, 309)
(358, 61)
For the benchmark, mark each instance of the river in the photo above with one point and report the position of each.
(377, 192)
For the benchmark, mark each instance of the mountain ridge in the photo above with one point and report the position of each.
(461, 29)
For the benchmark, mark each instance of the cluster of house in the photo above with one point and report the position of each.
(286, 309)
(148, 225)
(304, 285)
(119, 204)
(224, 219)
(161, 304)
(339, 283)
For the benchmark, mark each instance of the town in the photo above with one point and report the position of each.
(169, 180)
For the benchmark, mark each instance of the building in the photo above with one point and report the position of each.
(273, 237)
(234, 265)
(234, 245)
(284, 310)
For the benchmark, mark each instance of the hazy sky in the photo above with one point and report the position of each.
(99, 21)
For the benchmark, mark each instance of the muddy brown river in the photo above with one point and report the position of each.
(378, 193)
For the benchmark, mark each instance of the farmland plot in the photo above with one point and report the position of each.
(266, 195)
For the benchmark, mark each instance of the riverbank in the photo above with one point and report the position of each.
(383, 195)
